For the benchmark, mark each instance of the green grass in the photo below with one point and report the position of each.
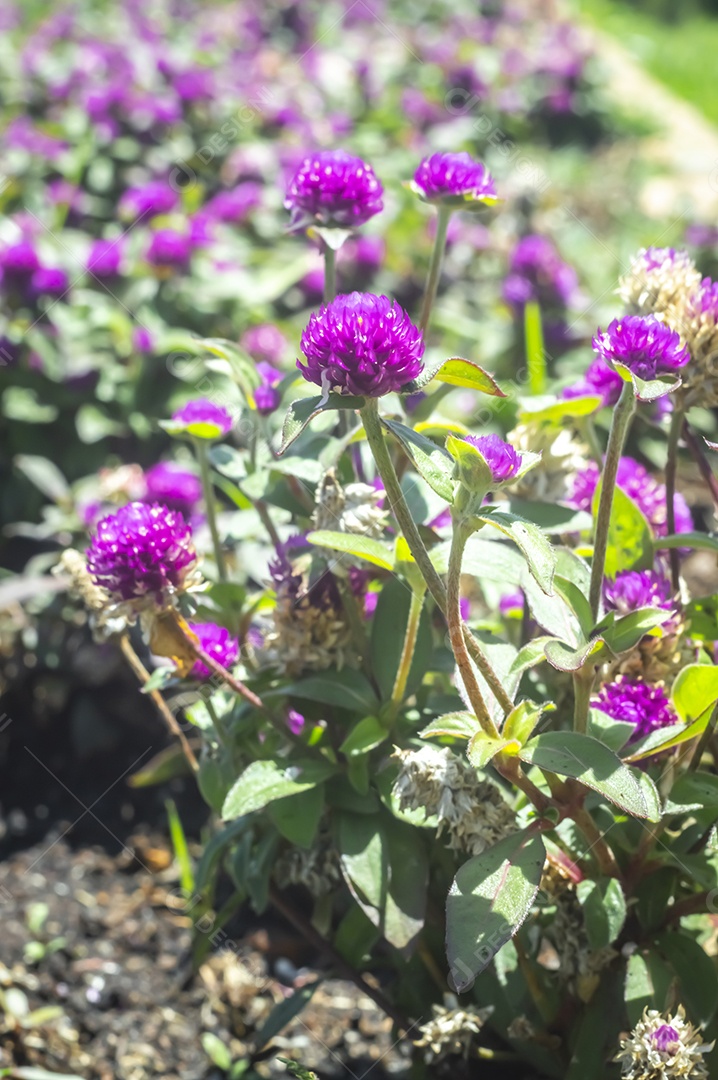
(681, 54)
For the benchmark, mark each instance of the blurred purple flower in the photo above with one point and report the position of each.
(441, 177)
(217, 642)
(149, 200)
(170, 484)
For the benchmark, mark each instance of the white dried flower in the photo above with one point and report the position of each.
(562, 456)
(658, 279)
(317, 868)
(663, 1048)
(579, 963)
(470, 811)
(451, 1031)
(352, 509)
(106, 618)
(695, 317)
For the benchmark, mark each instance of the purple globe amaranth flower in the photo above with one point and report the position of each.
(665, 1038)
(361, 344)
(49, 281)
(335, 189)
(236, 205)
(217, 642)
(512, 603)
(600, 380)
(455, 179)
(295, 722)
(264, 342)
(537, 272)
(266, 396)
(635, 702)
(501, 457)
(142, 551)
(202, 419)
(634, 589)
(148, 200)
(648, 493)
(105, 258)
(644, 345)
(169, 248)
(19, 262)
(174, 486)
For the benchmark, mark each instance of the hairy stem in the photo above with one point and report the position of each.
(330, 274)
(407, 652)
(674, 434)
(158, 701)
(583, 680)
(208, 490)
(437, 257)
(456, 633)
(622, 416)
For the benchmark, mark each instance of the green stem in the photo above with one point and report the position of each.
(437, 257)
(208, 490)
(622, 416)
(222, 734)
(400, 510)
(407, 652)
(456, 634)
(330, 274)
(583, 680)
(674, 434)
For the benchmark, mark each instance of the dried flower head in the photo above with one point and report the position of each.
(334, 189)
(696, 319)
(562, 456)
(104, 617)
(361, 344)
(658, 279)
(143, 552)
(355, 508)
(470, 811)
(663, 1047)
(451, 1031)
(317, 868)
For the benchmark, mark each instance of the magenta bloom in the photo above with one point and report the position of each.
(149, 200)
(49, 281)
(512, 603)
(218, 643)
(454, 177)
(169, 248)
(295, 722)
(203, 419)
(500, 456)
(174, 486)
(19, 261)
(333, 188)
(643, 344)
(144, 550)
(600, 380)
(537, 272)
(264, 342)
(105, 258)
(635, 702)
(236, 205)
(666, 1038)
(634, 589)
(647, 492)
(361, 344)
(266, 396)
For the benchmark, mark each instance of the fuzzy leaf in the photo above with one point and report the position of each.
(604, 910)
(363, 547)
(459, 372)
(264, 781)
(489, 899)
(460, 725)
(431, 461)
(302, 411)
(534, 546)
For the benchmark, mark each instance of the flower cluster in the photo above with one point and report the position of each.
(143, 552)
(334, 189)
(663, 1048)
(643, 344)
(502, 459)
(647, 492)
(658, 279)
(361, 344)
(635, 702)
(455, 179)
(471, 812)
(632, 589)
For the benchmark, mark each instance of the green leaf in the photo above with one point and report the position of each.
(301, 412)
(696, 789)
(612, 733)
(489, 899)
(535, 352)
(405, 908)
(482, 748)
(216, 1051)
(569, 753)
(579, 603)
(534, 546)
(459, 372)
(363, 547)
(181, 848)
(564, 658)
(364, 861)
(648, 981)
(532, 654)
(693, 540)
(430, 461)
(45, 475)
(695, 691)
(630, 544)
(364, 736)
(552, 517)
(387, 639)
(696, 973)
(604, 910)
(626, 632)
(348, 689)
(522, 720)
(460, 725)
(264, 781)
(283, 1013)
(297, 816)
(555, 412)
